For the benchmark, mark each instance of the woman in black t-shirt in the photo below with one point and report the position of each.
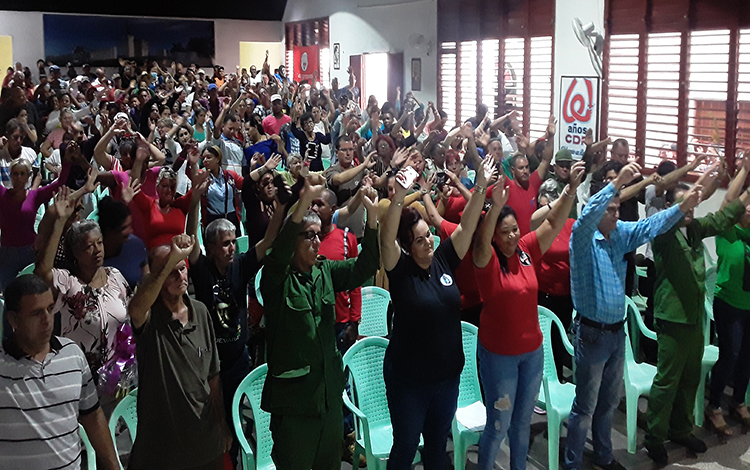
(424, 359)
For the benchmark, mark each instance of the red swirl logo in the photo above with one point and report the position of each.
(574, 107)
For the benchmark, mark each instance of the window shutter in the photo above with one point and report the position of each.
(467, 80)
(490, 65)
(513, 79)
(448, 80)
(540, 85)
(743, 92)
(622, 93)
(662, 96)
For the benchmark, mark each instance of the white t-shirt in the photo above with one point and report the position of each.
(5, 160)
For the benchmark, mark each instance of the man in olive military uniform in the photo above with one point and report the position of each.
(305, 378)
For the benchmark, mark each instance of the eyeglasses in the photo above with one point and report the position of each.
(311, 235)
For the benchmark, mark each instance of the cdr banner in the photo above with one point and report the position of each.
(579, 111)
(306, 64)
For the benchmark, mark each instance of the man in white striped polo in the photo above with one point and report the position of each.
(46, 388)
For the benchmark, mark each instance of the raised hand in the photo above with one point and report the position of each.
(370, 161)
(628, 173)
(577, 174)
(91, 183)
(273, 162)
(552, 126)
(486, 171)
(467, 131)
(399, 157)
(401, 178)
(62, 207)
(182, 246)
(309, 193)
(500, 193)
(128, 191)
(691, 198)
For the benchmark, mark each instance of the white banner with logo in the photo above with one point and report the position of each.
(579, 111)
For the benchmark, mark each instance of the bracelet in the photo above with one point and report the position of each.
(565, 193)
(480, 190)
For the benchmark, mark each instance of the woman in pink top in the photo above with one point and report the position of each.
(18, 208)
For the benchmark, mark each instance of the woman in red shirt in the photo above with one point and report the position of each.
(165, 217)
(554, 274)
(511, 359)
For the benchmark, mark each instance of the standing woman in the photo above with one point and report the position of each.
(422, 377)
(308, 135)
(222, 200)
(732, 313)
(511, 358)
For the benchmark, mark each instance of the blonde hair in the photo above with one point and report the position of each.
(20, 161)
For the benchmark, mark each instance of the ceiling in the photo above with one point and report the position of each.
(239, 10)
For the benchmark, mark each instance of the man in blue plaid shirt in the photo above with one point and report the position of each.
(598, 244)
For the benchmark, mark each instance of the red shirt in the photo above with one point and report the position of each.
(509, 323)
(454, 206)
(349, 303)
(464, 274)
(160, 227)
(523, 201)
(554, 271)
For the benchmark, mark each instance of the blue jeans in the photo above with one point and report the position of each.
(600, 361)
(419, 407)
(511, 386)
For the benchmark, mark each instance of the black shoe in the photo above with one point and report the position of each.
(657, 453)
(613, 465)
(692, 443)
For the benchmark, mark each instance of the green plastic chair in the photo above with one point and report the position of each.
(90, 453)
(257, 456)
(638, 376)
(469, 393)
(127, 410)
(558, 396)
(243, 244)
(326, 163)
(710, 352)
(27, 270)
(374, 311)
(372, 423)
(257, 286)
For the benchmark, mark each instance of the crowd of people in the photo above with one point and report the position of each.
(131, 192)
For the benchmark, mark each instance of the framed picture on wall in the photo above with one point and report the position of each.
(336, 56)
(416, 74)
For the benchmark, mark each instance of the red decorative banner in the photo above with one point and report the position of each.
(306, 64)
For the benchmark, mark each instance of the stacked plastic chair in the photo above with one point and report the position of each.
(372, 419)
(638, 376)
(710, 352)
(469, 395)
(252, 388)
(374, 311)
(558, 396)
(127, 410)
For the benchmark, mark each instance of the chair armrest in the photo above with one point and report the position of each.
(355, 411)
(237, 425)
(633, 310)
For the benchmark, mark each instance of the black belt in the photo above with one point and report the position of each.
(602, 326)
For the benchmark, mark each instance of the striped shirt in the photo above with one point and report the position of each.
(40, 403)
(597, 265)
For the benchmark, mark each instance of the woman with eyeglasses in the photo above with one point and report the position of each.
(258, 191)
(422, 377)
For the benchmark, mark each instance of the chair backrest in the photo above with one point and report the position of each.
(630, 311)
(469, 390)
(87, 448)
(243, 244)
(252, 388)
(364, 361)
(128, 411)
(257, 286)
(546, 320)
(374, 311)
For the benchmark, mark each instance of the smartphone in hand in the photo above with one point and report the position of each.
(410, 176)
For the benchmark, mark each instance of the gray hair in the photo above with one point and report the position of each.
(167, 173)
(549, 190)
(216, 228)
(310, 218)
(79, 232)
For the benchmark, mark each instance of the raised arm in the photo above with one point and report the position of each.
(139, 308)
(350, 173)
(271, 231)
(735, 187)
(555, 221)
(464, 233)
(389, 248)
(483, 242)
(61, 210)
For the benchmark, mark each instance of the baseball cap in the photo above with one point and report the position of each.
(115, 76)
(212, 86)
(275, 97)
(201, 71)
(54, 68)
(563, 155)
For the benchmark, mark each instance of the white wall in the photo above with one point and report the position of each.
(378, 27)
(571, 58)
(27, 30)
